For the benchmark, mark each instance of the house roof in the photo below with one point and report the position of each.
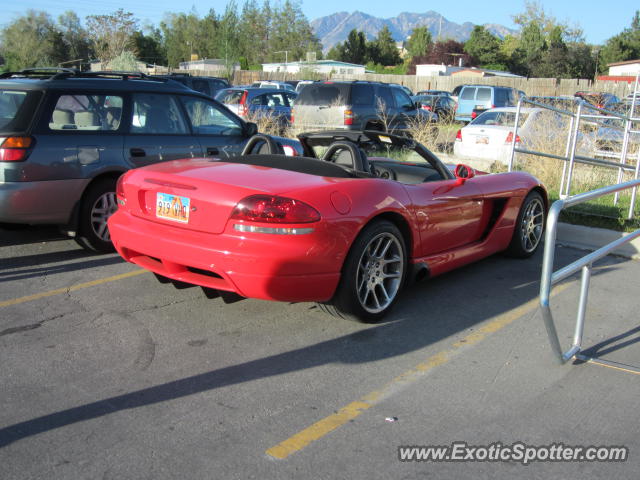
(333, 63)
(628, 62)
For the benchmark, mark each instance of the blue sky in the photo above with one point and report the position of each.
(599, 23)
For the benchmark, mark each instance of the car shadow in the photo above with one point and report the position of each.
(30, 266)
(11, 235)
(456, 302)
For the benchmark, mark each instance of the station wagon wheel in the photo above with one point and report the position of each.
(372, 276)
(98, 204)
(529, 227)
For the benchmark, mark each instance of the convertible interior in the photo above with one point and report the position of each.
(349, 155)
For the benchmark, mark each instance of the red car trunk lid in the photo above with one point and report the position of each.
(203, 193)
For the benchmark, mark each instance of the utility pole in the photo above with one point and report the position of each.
(286, 58)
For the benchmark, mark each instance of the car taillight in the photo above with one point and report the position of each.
(459, 136)
(15, 149)
(510, 138)
(121, 199)
(348, 117)
(244, 108)
(474, 115)
(273, 209)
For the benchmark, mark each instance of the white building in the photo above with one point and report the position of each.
(436, 70)
(215, 67)
(629, 68)
(320, 66)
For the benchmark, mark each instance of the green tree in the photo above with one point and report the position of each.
(125, 62)
(353, 49)
(291, 32)
(486, 48)
(554, 61)
(419, 42)
(111, 35)
(530, 50)
(149, 48)
(229, 41)
(534, 13)
(386, 50)
(75, 37)
(622, 47)
(32, 41)
(181, 35)
(254, 32)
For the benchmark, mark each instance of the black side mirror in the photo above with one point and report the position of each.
(250, 129)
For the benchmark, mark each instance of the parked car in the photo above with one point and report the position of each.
(604, 100)
(301, 84)
(347, 230)
(66, 137)
(404, 88)
(207, 85)
(273, 84)
(490, 135)
(433, 92)
(442, 105)
(255, 103)
(609, 139)
(356, 105)
(474, 99)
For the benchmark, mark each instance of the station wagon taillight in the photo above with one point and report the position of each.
(459, 136)
(15, 149)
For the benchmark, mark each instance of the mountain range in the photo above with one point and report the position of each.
(335, 28)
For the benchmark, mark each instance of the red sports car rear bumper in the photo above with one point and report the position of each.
(292, 268)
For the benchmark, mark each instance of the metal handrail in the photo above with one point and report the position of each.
(571, 156)
(550, 278)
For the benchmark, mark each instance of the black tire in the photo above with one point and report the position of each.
(98, 204)
(377, 262)
(529, 227)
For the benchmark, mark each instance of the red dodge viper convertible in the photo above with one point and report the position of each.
(346, 225)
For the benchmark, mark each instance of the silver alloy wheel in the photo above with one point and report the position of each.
(380, 271)
(531, 227)
(105, 206)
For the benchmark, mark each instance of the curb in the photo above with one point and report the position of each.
(592, 238)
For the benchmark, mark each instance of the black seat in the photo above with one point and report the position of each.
(348, 154)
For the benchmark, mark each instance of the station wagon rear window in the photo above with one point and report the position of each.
(86, 112)
(17, 109)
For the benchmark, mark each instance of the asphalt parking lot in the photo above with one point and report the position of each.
(108, 374)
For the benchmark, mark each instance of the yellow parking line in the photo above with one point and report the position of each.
(93, 283)
(321, 428)
(610, 364)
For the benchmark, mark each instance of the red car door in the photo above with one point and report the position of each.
(448, 214)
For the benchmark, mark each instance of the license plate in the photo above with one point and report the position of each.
(172, 207)
(482, 140)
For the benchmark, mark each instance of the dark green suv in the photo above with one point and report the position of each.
(66, 137)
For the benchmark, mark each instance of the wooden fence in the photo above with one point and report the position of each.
(531, 86)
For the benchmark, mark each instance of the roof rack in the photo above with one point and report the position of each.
(41, 72)
(53, 73)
